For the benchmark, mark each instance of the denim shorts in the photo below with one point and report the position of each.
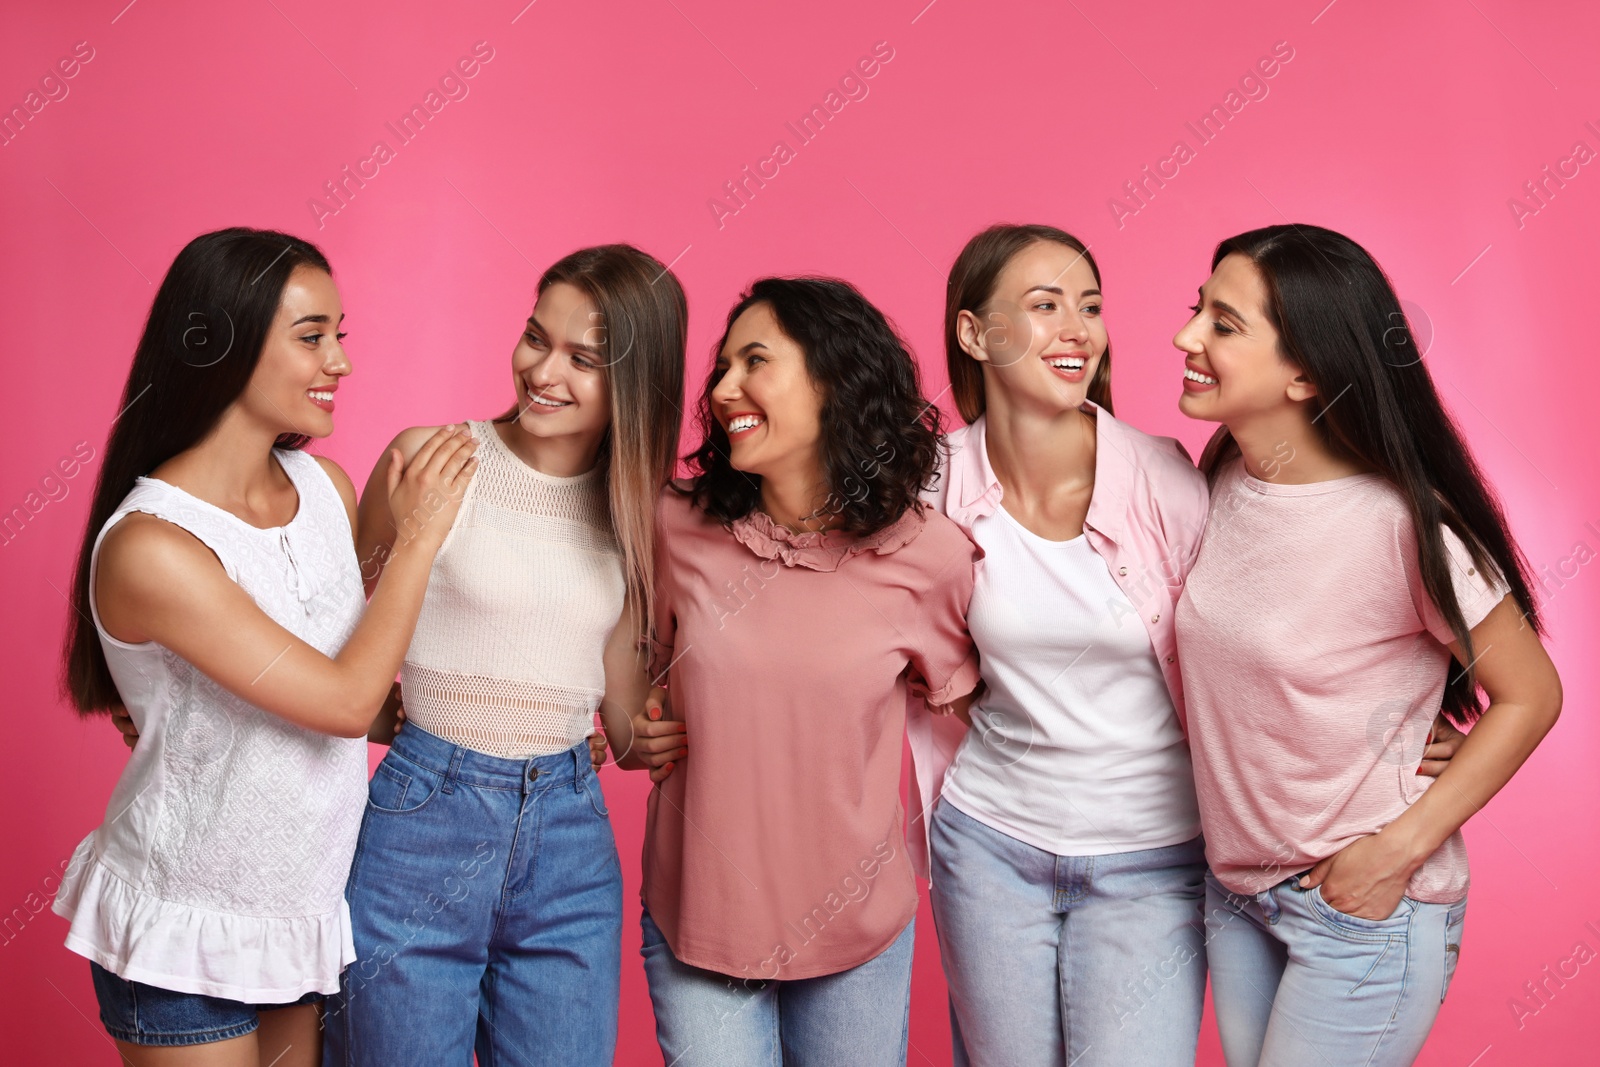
(143, 1014)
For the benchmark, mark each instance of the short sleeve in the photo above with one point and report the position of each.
(944, 662)
(1477, 590)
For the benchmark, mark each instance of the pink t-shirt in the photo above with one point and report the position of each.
(776, 849)
(1314, 663)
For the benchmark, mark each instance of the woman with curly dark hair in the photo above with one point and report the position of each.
(802, 593)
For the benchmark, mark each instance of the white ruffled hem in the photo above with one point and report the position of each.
(248, 958)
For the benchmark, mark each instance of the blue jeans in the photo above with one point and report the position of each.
(859, 1017)
(143, 1014)
(486, 899)
(1296, 982)
(1079, 960)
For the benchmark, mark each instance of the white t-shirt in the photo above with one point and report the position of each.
(1075, 748)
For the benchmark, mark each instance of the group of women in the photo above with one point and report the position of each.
(1096, 649)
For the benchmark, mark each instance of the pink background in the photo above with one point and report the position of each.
(1408, 126)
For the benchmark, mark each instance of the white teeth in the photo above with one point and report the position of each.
(319, 395)
(1067, 362)
(1195, 376)
(744, 422)
(542, 402)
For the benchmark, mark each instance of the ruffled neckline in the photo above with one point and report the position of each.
(821, 551)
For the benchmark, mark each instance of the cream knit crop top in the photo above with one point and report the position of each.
(507, 658)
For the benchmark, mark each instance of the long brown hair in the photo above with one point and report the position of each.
(973, 277)
(201, 343)
(644, 320)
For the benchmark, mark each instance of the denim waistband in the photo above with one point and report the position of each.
(459, 764)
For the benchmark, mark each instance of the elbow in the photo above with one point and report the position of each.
(353, 726)
(1553, 700)
(353, 719)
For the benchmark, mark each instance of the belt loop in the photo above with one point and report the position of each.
(578, 757)
(455, 768)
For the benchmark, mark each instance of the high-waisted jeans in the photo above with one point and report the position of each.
(486, 900)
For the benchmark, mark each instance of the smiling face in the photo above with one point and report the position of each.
(1041, 336)
(765, 399)
(559, 367)
(1235, 370)
(293, 385)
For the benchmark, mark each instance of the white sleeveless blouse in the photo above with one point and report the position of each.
(508, 654)
(220, 868)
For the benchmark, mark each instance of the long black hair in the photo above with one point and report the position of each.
(879, 437)
(201, 343)
(1339, 321)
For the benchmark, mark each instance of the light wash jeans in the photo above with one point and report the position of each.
(486, 901)
(1056, 960)
(856, 1018)
(1295, 982)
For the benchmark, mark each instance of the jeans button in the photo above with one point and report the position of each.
(533, 774)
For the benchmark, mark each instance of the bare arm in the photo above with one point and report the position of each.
(156, 582)
(641, 737)
(1368, 877)
(960, 707)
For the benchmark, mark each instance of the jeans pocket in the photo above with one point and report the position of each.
(400, 787)
(1355, 925)
(1454, 920)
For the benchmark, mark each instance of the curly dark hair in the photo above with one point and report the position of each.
(880, 438)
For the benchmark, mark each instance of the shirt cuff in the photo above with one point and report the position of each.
(963, 680)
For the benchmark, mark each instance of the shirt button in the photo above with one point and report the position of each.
(1171, 658)
(1122, 571)
(1155, 618)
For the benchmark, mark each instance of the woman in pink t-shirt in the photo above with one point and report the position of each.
(1352, 549)
(802, 593)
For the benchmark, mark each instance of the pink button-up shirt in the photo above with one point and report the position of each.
(777, 849)
(1145, 519)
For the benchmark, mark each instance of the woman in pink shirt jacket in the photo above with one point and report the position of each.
(803, 593)
(1066, 859)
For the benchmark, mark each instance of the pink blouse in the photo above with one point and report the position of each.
(776, 849)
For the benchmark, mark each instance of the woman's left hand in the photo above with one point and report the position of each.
(1366, 879)
(597, 749)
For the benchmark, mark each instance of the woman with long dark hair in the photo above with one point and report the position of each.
(1352, 550)
(218, 596)
(802, 592)
(486, 893)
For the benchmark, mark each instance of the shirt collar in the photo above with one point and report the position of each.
(820, 551)
(975, 488)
